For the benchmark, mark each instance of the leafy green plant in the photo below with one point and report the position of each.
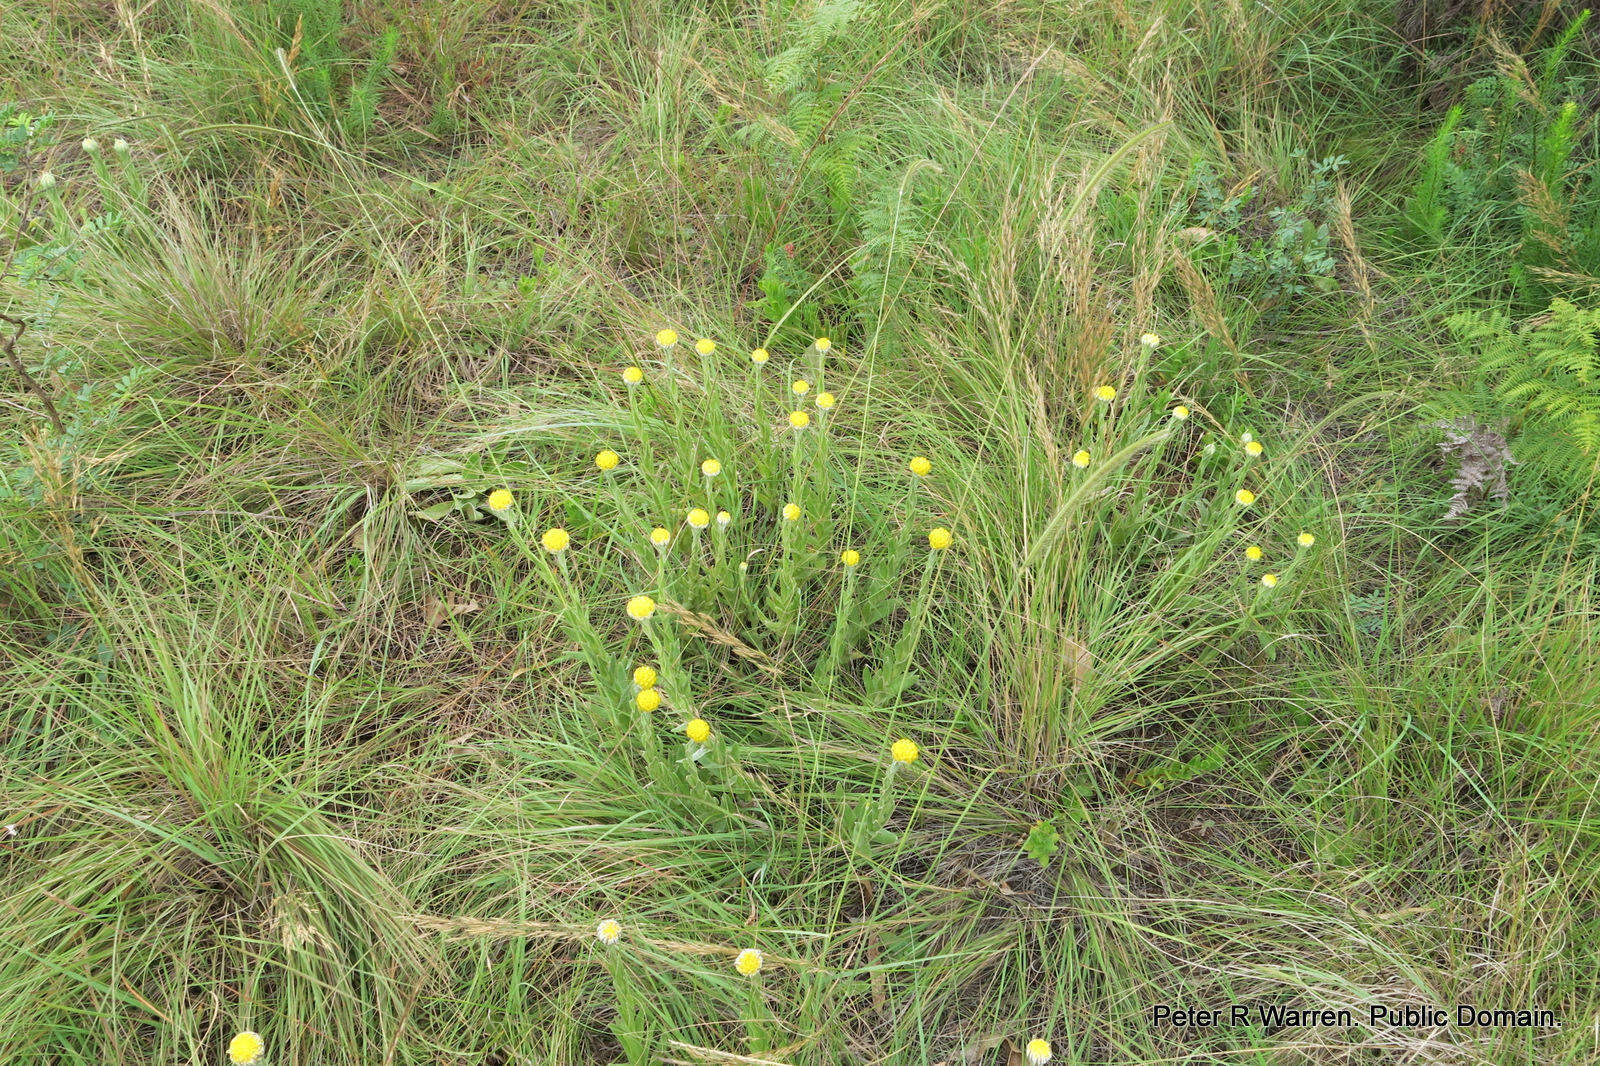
(329, 79)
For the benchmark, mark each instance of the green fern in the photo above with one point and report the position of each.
(1543, 377)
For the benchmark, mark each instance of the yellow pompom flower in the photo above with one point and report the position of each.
(697, 730)
(791, 512)
(606, 459)
(501, 500)
(644, 676)
(1253, 447)
(850, 557)
(1105, 393)
(823, 344)
(1150, 340)
(640, 608)
(711, 467)
(705, 345)
(723, 518)
(667, 337)
(608, 931)
(920, 466)
(1080, 459)
(759, 356)
(1244, 497)
(800, 387)
(799, 419)
(1039, 1052)
(555, 540)
(647, 699)
(1305, 540)
(825, 400)
(660, 537)
(1180, 412)
(749, 962)
(1253, 552)
(699, 517)
(903, 750)
(940, 538)
(246, 1048)
(1270, 580)
(632, 375)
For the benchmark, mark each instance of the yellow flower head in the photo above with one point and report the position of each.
(606, 459)
(1150, 340)
(749, 962)
(1180, 412)
(1253, 552)
(608, 931)
(800, 387)
(1305, 540)
(940, 538)
(711, 467)
(1039, 1052)
(647, 699)
(799, 419)
(759, 356)
(903, 750)
(705, 345)
(1253, 447)
(555, 540)
(1105, 393)
(660, 537)
(699, 518)
(500, 500)
(1080, 459)
(1270, 580)
(850, 557)
(1244, 497)
(825, 400)
(667, 337)
(791, 512)
(644, 676)
(697, 730)
(920, 466)
(632, 375)
(723, 518)
(246, 1048)
(640, 608)
(823, 344)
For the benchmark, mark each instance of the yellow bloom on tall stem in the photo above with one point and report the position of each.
(501, 500)
(1039, 1051)
(850, 557)
(705, 345)
(1150, 340)
(1105, 393)
(644, 676)
(246, 1048)
(667, 337)
(1270, 580)
(697, 730)
(647, 699)
(920, 465)
(940, 538)
(632, 375)
(1180, 412)
(555, 540)
(660, 537)
(607, 459)
(749, 962)
(723, 518)
(799, 419)
(1253, 448)
(608, 931)
(1244, 497)
(904, 750)
(699, 518)
(1253, 552)
(759, 356)
(711, 467)
(791, 512)
(823, 344)
(1305, 540)
(800, 387)
(825, 400)
(640, 608)
(1080, 459)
